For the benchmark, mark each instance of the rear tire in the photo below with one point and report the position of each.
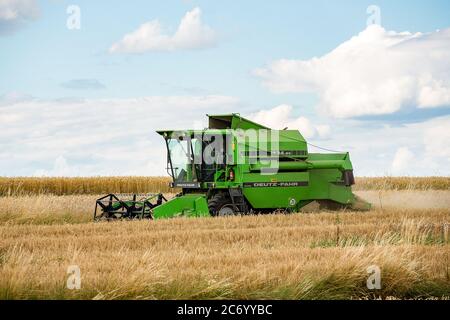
(220, 206)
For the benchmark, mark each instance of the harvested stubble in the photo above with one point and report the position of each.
(309, 256)
(48, 209)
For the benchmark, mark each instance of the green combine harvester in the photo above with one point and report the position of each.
(238, 167)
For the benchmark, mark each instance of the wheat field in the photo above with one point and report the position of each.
(402, 183)
(79, 185)
(320, 255)
(101, 185)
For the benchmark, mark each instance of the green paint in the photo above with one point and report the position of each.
(299, 178)
(187, 205)
(274, 170)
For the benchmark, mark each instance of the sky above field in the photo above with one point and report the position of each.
(84, 84)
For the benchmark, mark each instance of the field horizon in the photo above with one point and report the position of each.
(15, 186)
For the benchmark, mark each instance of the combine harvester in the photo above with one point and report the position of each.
(237, 166)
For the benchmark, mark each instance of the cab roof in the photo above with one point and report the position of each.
(232, 121)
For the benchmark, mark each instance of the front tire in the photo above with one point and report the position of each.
(220, 206)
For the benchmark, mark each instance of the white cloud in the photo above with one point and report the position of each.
(402, 160)
(60, 169)
(13, 13)
(191, 34)
(413, 149)
(96, 136)
(14, 97)
(92, 137)
(437, 141)
(434, 94)
(281, 117)
(376, 72)
(373, 147)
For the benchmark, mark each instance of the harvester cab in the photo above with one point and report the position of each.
(236, 166)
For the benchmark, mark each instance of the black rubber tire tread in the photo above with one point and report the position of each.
(216, 202)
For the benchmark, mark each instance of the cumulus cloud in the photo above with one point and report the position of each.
(80, 137)
(96, 136)
(402, 160)
(376, 72)
(191, 34)
(437, 141)
(281, 117)
(60, 169)
(412, 149)
(374, 147)
(14, 97)
(14, 13)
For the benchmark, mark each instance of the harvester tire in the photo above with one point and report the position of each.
(220, 205)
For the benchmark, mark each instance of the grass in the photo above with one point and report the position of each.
(299, 256)
(20, 186)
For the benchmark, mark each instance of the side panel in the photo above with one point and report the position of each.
(281, 190)
(287, 189)
(327, 184)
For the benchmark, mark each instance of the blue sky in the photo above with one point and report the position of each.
(230, 64)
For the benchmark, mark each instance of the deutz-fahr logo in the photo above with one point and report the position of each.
(276, 184)
(187, 184)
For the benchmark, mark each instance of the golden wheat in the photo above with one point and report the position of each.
(78, 185)
(300, 256)
(102, 185)
(402, 183)
(294, 256)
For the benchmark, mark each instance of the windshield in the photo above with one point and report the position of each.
(195, 158)
(182, 155)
